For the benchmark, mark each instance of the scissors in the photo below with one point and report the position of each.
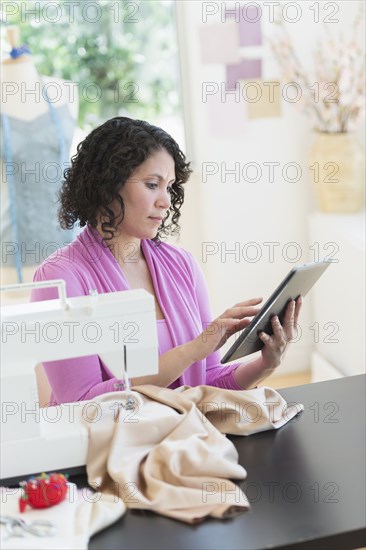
(17, 527)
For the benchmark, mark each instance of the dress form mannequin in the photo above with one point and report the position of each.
(38, 123)
(20, 78)
(29, 113)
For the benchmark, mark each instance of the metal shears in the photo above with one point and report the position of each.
(17, 527)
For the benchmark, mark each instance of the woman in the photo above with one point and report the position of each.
(124, 186)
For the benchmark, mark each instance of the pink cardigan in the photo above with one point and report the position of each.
(181, 290)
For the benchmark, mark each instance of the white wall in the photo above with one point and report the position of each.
(263, 212)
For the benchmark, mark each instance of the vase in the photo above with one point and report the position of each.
(337, 169)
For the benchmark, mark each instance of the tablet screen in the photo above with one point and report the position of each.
(297, 283)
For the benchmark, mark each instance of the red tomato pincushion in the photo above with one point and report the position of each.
(43, 491)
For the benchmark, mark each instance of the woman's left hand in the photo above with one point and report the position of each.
(275, 345)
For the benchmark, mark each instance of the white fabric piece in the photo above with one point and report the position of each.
(82, 514)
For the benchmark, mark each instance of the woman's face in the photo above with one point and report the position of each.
(146, 196)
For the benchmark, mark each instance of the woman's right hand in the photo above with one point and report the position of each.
(216, 333)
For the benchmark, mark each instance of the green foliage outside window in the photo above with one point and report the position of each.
(122, 54)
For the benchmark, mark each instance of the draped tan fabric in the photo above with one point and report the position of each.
(170, 454)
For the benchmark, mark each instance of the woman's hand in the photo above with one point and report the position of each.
(227, 324)
(247, 375)
(174, 362)
(275, 345)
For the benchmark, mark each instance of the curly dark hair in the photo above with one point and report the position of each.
(105, 159)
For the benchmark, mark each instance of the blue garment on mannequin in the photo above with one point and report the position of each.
(36, 152)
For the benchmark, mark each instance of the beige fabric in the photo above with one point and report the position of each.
(76, 519)
(170, 454)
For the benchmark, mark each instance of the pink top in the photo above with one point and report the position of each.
(180, 288)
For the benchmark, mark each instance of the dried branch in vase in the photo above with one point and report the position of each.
(333, 94)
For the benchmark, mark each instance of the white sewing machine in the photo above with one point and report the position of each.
(120, 327)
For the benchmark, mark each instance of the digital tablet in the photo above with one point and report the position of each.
(297, 283)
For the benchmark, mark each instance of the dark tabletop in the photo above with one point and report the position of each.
(305, 483)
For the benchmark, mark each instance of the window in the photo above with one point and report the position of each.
(122, 56)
